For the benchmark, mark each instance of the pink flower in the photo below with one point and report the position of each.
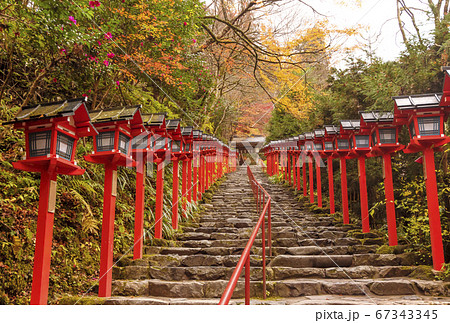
(142, 44)
(99, 43)
(62, 28)
(194, 41)
(185, 23)
(94, 4)
(55, 80)
(110, 55)
(108, 35)
(106, 62)
(118, 83)
(85, 95)
(72, 19)
(181, 83)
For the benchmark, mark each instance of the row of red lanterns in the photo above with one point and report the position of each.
(122, 137)
(374, 134)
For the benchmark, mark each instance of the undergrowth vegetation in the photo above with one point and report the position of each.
(77, 227)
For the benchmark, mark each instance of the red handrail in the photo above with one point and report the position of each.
(263, 201)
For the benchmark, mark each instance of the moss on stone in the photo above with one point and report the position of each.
(384, 249)
(423, 272)
(80, 300)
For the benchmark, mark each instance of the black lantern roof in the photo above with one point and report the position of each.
(114, 114)
(350, 124)
(187, 131)
(377, 116)
(319, 133)
(331, 130)
(173, 124)
(419, 101)
(154, 119)
(63, 108)
(197, 134)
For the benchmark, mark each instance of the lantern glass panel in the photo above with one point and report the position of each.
(39, 143)
(343, 144)
(64, 146)
(429, 126)
(362, 141)
(140, 142)
(309, 146)
(176, 146)
(351, 143)
(105, 141)
(160, 143)
(124, 143)
(329, 145)
(374, 138)
(318, 146)
(388, 136)
(412, 129)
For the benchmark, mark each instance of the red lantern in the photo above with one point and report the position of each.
(112, 148)
(156, 123)
(52, 131)
(342, 148)
(425, 115)
(328, 153)
(303, 154)
(187, 155)
(317, 154)
(174, 131)
(360, 147)
(384, 142)
(197, 138)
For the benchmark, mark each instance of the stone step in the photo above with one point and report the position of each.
(276, 234)
(284, 288)
(187, 261)
(333, 250)
(323, 261)
(272, 273)
(216, 251)
(182, 273)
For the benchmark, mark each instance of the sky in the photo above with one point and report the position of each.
(380, 18)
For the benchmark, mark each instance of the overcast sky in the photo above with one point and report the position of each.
(380, 16)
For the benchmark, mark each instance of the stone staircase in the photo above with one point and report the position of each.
(315, 260)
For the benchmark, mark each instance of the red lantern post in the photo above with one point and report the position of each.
(115, 129)
(317, 154)
(176, 146)
(425, 115)
(141, 154)
(342, 145)
(384, 142)
(186, 186)
(52, 131)
(328, 153)
(303, 155)
(309, 147)
(197, 138)
(360, 147)
(161, 156)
